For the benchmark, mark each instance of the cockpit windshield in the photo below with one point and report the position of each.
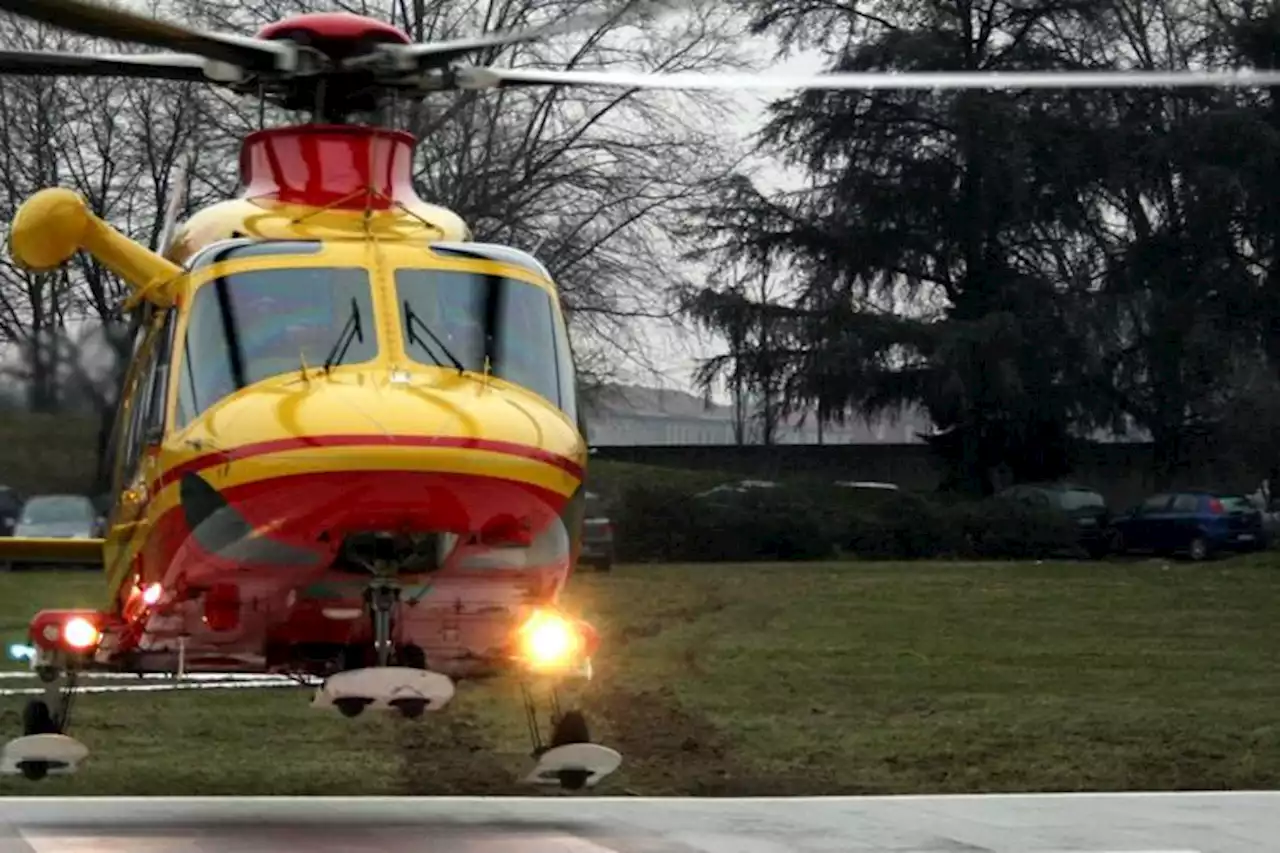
(250, 326)
(453, 314)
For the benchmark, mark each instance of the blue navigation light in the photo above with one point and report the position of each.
(19, 651)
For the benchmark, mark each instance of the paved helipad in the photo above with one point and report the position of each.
(1070, 823)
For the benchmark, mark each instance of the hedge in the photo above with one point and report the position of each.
(667, 522)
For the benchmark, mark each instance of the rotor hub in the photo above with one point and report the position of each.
(330, 39)
(338, 35)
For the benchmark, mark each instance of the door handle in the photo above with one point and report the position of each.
(128, 528)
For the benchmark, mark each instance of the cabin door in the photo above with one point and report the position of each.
(140, 429)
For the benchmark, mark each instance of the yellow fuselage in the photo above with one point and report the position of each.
(332, 433)
(249, 491)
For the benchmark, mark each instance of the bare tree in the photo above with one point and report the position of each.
(593, 182)
(36, 118)
(115, 142)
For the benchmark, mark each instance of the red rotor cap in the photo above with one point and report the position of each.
(335, 26)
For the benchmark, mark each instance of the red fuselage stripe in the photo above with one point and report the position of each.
(281, 445)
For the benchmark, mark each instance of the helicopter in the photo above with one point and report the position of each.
(348, 445)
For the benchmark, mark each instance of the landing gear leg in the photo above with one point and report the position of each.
(569, 760)
(400, 681)
(44, 746)
(566, 728)
(61, 694)
(380, 601)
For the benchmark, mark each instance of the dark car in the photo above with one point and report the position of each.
(597, 536)
(1086, 508)
(10, 508)
(1196, 523)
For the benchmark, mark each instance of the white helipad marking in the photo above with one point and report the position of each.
(26, 674)
(157, 688)
(127, 682)
(41, 843)
(1220, 822)
(721, 841)
(467, 799)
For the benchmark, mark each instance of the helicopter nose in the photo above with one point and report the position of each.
(315, 460)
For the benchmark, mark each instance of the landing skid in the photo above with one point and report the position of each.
(570, 761)
(44, 748)
(574, 766)
(38, 756)
(411, 692)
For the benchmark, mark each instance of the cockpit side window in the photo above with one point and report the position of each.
(474, 316)
(567, 373)
(249, 326)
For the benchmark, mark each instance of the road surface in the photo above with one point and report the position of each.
(1071, 823)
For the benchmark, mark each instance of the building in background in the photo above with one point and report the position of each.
(619, 415)
(634, 415)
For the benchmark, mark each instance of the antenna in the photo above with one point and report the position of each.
(177, 200)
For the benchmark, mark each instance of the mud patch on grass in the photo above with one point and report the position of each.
(670, 750)
(449, 755)
(666, 749)
(665, 619)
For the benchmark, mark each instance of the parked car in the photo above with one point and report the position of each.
(597, 536)
(57, 517)
(1196, 523)
(10, 509)
(1086, 507)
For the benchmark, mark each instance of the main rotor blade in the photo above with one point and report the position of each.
(155, 66)
(91, 19)
(487, 78)
(441, 53)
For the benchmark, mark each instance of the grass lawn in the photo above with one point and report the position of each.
(801, 679)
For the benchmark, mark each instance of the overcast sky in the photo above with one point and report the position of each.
(676, 352)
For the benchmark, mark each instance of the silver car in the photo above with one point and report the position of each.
(58, 517)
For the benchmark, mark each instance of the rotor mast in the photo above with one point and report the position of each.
(331, 39)
(338, 166)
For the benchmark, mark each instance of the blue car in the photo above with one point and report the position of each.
(1198, 524)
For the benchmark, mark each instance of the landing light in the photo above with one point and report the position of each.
(550, 641)
(152, 594)
(80, 634)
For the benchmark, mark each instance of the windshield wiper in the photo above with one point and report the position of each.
(231, 330)
(350, 331)
(410, 319)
